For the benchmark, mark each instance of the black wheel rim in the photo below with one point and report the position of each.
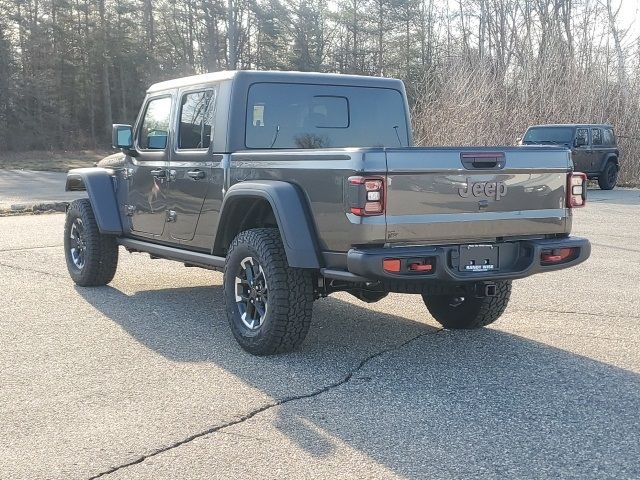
(251, 293)
(612, 174)
(77, 245)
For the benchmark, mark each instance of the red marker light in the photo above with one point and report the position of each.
(391, 265)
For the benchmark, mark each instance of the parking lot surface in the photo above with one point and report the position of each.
(142, 378)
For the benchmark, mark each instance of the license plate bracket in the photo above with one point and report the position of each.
(479, 258)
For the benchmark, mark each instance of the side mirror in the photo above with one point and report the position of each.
(122, 136)
(580, 142)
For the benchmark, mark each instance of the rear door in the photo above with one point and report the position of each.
(582, 154)
(148, 180)
(448, 195)
(599, 150)
(192, 160)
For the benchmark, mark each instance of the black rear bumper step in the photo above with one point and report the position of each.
(365, 265)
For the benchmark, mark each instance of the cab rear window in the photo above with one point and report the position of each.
(324, 116)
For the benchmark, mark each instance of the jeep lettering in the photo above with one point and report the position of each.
(495, 190)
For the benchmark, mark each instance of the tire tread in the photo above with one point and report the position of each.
(101, 260)
(603, 180)
(290, 294)
(484, 311)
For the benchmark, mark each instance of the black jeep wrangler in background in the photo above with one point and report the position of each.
(594, 149)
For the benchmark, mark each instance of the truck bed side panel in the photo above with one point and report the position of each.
(321, 176)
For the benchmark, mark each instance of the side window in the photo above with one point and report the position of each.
(197, 115)
(596, 136)
(608, 137)
(155, 125)
(582, 137)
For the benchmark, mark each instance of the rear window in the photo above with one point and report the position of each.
(549, 135)
(323, 116)
(609, 137)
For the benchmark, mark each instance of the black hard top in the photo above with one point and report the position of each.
(573, 125)
(253, 76)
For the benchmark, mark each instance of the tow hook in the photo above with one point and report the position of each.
(486, 290)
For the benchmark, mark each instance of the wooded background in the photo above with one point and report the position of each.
(477, 71)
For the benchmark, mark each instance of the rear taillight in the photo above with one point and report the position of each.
(366, 196)
(576, 190)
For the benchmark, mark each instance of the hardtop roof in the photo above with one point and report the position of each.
(573, 125)
(277, 76)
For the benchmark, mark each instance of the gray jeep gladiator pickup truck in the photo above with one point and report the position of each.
(298, 185)
(594, 148)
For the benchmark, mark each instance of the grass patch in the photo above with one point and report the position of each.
(56, 161)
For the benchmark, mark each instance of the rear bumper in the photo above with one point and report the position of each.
(523, 260)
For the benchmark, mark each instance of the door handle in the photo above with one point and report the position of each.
(159, 173)
(196, 174)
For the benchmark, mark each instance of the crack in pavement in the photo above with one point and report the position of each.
(31, 270)
(575, 312)
(574, 335)
(615, 247)
(269, 406)
(26, 249)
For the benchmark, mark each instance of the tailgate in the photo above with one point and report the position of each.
(446, 194)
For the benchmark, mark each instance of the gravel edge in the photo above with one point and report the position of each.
(33, 208)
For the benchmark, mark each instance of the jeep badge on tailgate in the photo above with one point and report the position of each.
(495, 190)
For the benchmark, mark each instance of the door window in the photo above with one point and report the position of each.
(596, 136)
(155, 124)
(582, 137)
(197, 114)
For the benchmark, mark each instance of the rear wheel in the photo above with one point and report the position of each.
(468, 311)
(92, 258)
(609, 177)
(268, 303)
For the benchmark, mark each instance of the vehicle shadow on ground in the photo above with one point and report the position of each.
(446, 404)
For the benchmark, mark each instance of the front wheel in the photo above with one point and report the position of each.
(268, 303)
(609, 177)
(92, 258)
(466, 311)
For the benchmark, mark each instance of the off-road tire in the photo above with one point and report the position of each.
(608, 177)
(289, 299)
(100, 251)
(473, 312)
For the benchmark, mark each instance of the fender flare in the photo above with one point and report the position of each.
(291, 213)
(98, 184)
(610, 157)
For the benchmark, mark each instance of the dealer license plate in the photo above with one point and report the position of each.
(478, 258)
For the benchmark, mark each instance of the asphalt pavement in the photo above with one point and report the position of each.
(22, 189)
(142, 378)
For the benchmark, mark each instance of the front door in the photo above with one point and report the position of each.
(581, 152)
(148, 175)
(192, 161)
